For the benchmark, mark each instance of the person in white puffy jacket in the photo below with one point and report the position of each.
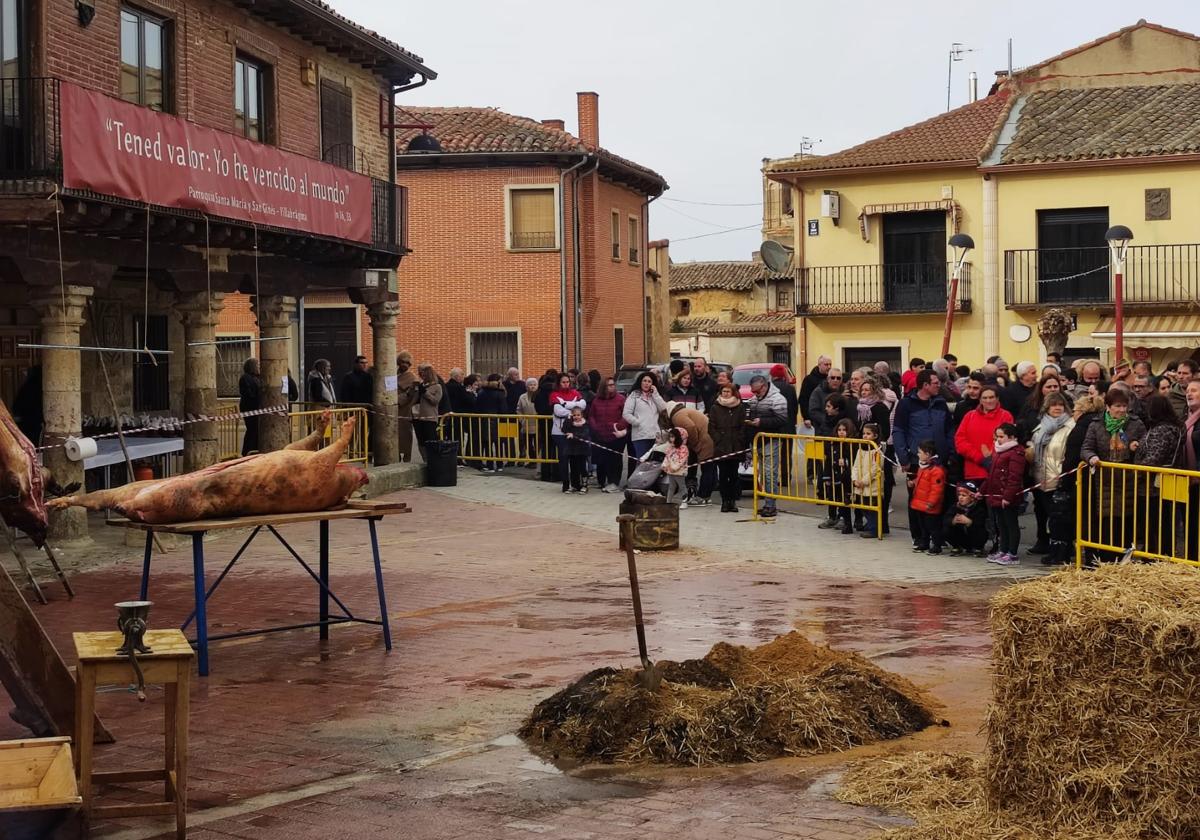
(642, 409)
(562, 400)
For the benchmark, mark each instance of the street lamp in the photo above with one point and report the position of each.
(1119, 237)
(961, 243)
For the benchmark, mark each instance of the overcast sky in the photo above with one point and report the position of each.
(701, 91)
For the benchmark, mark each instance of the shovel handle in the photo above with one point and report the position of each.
(625, 520)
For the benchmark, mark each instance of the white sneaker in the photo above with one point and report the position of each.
(683, 505)
(612, 488)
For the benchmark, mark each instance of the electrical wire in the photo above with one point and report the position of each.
(695, 218)
(712, 203)
(717, 232)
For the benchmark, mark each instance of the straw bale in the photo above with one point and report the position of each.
(788, 697)
(1095, 719)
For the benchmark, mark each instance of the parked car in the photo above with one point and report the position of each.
(742, 374)
(626, 376)
(659, 369)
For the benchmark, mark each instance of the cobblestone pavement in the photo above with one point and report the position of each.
(500, 592)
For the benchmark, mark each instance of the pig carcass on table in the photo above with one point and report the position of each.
(299, 479)
(22, 502)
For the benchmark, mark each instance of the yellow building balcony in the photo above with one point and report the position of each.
(900, 288)
(1154, 275)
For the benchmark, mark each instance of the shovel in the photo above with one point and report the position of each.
(650, 676)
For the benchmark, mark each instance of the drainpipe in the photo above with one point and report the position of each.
(799, 226)
(578, 284)
(392, 145)
(562, 260)
(646, 265)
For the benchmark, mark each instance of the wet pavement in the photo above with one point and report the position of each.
(494, 608)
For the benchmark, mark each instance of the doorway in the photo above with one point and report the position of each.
(1072, 255)
(914, 261)
(330, 332)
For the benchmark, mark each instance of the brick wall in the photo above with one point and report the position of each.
(206, 35)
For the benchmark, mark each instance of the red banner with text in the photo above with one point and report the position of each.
(115, 148)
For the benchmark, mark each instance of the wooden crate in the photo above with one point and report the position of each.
(37, 774)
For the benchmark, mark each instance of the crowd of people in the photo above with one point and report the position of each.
(975, 447)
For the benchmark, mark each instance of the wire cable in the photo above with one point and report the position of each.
(718, 232)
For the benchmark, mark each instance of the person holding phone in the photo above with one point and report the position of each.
(609, 430)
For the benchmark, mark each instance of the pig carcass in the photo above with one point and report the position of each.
(22, 502)
(293, 480)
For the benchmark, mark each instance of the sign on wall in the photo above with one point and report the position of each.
(814, 227)
(116, 148)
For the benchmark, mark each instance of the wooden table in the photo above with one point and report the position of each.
(369, 511)
(168, 664)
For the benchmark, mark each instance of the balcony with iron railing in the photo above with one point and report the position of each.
(902, 288)
(1154, 275)
(31, 164)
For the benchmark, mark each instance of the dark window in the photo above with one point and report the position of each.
(618, 347)
(331, 333)
(856, 357)
(914, 261)
(635, 239)
(232, 353)
(144, 58)
(783, 299)
(151, 377)
(1072, 255)
(683, 307)
(781, 354)
(337, 125)
(252, 99)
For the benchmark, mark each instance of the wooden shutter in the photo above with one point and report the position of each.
(532, 218)
(337, 124)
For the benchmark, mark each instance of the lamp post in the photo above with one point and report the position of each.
(961, 243)
(1119, 237)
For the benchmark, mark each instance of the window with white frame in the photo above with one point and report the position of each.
(635, 238)
(783, 298)
(616, 235)
(532, 219)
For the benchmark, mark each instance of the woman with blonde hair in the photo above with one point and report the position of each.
(425, 410)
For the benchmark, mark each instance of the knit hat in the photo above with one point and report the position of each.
(404, 356)
(670, 407)
(778, 372)
(971, 487)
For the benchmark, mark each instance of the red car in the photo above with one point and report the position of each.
(742, 374)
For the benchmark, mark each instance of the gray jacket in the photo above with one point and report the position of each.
(642, 415)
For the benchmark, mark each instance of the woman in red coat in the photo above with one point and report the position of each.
(974, 438)
(1005, 486)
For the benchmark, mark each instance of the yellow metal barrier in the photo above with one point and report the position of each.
(515, 438)
(229, 432)
(358, 451)
(1152, 510)
(819, 471)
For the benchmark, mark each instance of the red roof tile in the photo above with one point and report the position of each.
(958, 135)
(733, 275)
(488, 130)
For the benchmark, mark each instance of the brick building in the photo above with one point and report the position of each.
(529, 244)
(206, 161)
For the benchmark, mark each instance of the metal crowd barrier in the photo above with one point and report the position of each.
(230, 429)
(802, 468)
(514, 438)
(1152, 510)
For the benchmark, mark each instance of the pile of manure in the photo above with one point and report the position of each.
(737, 704)
(1094, 728)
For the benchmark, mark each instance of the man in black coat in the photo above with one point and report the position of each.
(1013, 397)
(357, 385)
(815, 379)
(704, 382)
(514, 387)
(460, 401)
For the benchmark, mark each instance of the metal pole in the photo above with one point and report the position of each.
(1119, 300)
(950, 308)
(949, 75)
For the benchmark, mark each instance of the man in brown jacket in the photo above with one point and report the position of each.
(406, 398)
(700, 448)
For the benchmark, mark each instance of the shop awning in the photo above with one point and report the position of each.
(949, 205)
(1152, 330)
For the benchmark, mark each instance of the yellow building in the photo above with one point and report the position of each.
(1107, 133)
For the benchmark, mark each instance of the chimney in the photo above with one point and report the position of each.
(589, 117)
(972, 87)
(559, 124)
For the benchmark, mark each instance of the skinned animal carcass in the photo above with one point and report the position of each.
(293, 480)
(22, 489)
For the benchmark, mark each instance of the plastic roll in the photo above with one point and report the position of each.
(80, 448)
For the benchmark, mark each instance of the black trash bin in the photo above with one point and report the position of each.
(441, 463)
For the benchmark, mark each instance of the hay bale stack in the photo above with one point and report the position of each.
(1095, 719)
(737, 704)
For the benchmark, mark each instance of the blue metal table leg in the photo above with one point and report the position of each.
(201, 597)
(323, 600)
(145, 590)
(383, 612)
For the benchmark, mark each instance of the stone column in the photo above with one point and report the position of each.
(274, 314)
(385, 443)
(61, 403)
(199, 314)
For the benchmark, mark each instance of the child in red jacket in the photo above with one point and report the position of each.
(928, 498)
(1005, 486)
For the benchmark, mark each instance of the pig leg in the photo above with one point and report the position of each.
(101, 499)
(313, 442)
